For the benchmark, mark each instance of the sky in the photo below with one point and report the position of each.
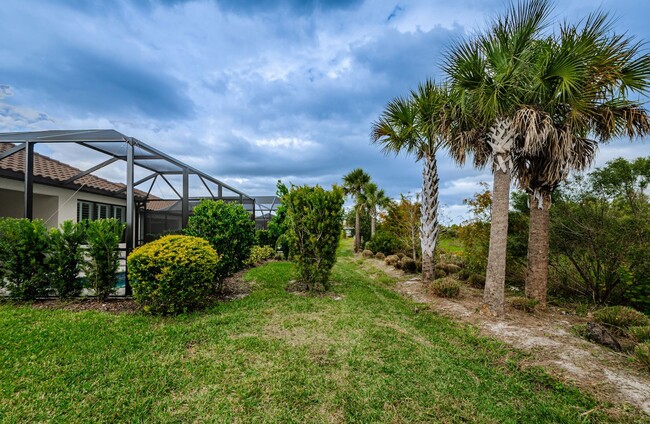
(250, 91)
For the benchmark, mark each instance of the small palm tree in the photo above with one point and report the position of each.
(491, 75)
(584, 76)
(419, 125)
(353, 184)
(372, 199)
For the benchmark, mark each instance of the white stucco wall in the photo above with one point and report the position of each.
(53, 203)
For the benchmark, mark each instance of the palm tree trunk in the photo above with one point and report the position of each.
(538, 237)
(357, 231)
(496, 268)
(502, 137)
(373, 223)
(429, 216)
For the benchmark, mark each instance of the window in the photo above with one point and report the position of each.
(92, 210)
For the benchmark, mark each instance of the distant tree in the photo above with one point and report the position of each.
(372, 199)
(353, 184)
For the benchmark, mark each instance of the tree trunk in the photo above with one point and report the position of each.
(429, 216)
(495, 276)
(373, 224)
(538, 236)
(357, 231)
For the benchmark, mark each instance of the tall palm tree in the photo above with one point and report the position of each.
(353, 184)
(584, 76)
(491, 74)
(420, 125)
(372, 199)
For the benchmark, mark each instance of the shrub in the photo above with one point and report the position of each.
(173, 274)
(640, 333)
(446, 287)
(314, 218)
(523, 303)
(65, 260)
(463, 274)
(384, 242)
(380, 256)
(408, 265)
(438, 273)
(264, 238)
(620, 317)
(229, 230)
(642, 354)
(400, 255)
(260, 254)
(103, 238)
(23, 250)
(279, 256)
(367, 253)
(391, 260)
(477, 281)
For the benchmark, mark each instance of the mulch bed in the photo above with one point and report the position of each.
(234, 288)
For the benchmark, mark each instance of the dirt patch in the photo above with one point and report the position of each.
(548, 337)
(300, 289)
(115, 306)
(235, 287)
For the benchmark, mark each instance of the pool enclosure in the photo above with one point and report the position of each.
(146, 216)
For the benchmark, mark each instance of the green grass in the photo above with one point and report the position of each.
(273, 357)
(450, 245)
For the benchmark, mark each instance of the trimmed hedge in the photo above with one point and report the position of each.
(103, 238)
(173, 274)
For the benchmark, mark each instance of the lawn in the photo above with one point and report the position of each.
(361, 355)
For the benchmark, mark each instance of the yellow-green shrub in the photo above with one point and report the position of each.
(259, 254)
(173, 274)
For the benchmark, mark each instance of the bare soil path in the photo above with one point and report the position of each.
(548, 337)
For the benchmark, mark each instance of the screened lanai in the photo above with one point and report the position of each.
(146, 215)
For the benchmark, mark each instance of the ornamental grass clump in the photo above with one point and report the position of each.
(174, 274)
(367, 253)
(640, 333)
(642, 354)
(391, 260)
(523, 303)
(620, 318)
(446, 287)
(314, 218)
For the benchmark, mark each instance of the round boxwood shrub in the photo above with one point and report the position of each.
(385, 243)
(173, 274)
(380, 256)
(367, 253)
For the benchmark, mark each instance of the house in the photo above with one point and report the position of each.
(57, 195)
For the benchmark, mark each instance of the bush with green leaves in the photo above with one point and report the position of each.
(620, 318)
(174, 274)
(23, 250)
(102, 257)
(228, 228)
(259, 254)
(65, 259)
(446, 287)
(315, 221)
(385, 243)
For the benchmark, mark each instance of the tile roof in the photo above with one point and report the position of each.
(58, 172)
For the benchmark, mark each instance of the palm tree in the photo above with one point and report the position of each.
(371, 199)
(353, 184)
(583, 78)
(491, 74)
(420, 125)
